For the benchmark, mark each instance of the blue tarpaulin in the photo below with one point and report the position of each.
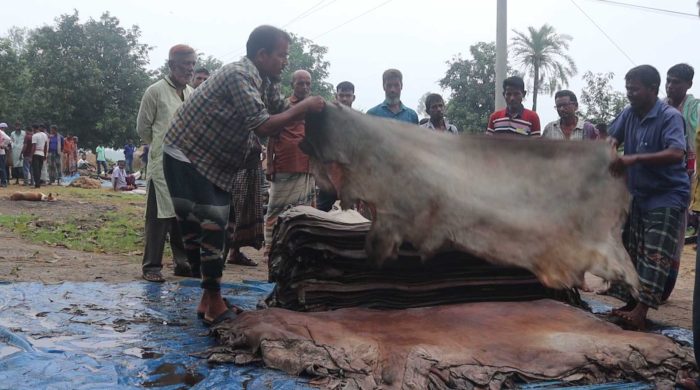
(117, 336)
(139, 334)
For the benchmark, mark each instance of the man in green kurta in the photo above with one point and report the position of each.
(159, 103)
(17, 158)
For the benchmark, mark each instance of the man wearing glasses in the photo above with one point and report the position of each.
(569, 126)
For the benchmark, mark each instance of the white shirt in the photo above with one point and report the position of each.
(449, 128)
(119, 176)
(5, 141)
(40, 139)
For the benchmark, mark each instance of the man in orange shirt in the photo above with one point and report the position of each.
(291, 184)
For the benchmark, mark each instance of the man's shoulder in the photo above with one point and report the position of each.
(529, 114)
(376, 109)
(498, 114)
(157, 86)
(552, 124)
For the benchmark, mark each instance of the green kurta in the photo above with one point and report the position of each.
(159, 103)
(17, 145)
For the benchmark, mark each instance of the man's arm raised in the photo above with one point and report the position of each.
(275, 123)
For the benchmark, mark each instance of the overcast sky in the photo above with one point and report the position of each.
(417, 37)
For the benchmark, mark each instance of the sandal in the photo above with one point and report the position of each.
(242, 259)
(227, 315)
(153, 276)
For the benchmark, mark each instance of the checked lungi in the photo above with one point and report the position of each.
(246, 221)
(651, 238)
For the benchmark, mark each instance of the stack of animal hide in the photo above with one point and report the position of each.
(318, 262)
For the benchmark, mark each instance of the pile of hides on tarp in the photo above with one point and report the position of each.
(86, 182)
(462, 346)
(318, 262)
(450, 322)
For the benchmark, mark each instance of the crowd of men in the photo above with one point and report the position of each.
(216, 139)
(35, 155)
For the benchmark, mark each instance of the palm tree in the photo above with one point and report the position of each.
(542, 54)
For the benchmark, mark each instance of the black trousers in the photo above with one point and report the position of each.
(37, 165)
(155, 233)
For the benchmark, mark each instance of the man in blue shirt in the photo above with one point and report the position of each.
(652, 133)
(392, 81)
(129, 149)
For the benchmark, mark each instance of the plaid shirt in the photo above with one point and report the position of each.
(214, 128)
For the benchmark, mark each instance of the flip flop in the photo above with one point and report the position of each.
(229, 306)
(229, 314)
(154, 277)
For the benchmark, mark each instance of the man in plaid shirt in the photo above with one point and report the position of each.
(211, 137)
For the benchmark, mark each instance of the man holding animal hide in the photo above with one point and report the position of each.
(211, 138)
(652, 133)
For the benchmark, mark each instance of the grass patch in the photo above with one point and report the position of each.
(110, 232)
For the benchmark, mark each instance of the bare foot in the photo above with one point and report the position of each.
(215, 305)
(636, 318)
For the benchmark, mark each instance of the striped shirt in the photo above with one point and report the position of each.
(525, 123)
(214, 127)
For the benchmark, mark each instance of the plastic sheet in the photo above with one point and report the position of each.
(679, 335)
(115, 336)
(135, 335)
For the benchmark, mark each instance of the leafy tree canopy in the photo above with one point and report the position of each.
(87, 78)
(471, 83)
(600, 102)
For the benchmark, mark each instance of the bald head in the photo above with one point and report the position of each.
(301, 84)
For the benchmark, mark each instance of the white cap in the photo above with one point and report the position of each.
(3, 125)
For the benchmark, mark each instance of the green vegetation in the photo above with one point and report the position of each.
(84, 220)
(110, 232)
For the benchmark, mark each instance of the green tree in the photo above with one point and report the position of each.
(542, 54)
(10, 81)
(304, 54)
(471, 83)
(87, 78)
(600, 101)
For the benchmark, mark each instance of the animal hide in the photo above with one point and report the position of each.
(464, 346)
(548, 206)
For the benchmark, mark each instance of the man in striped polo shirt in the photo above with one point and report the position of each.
(514, 119)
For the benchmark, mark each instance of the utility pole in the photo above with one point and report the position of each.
(501, 50)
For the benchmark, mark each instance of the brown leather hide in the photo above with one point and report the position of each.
(548, 206)
(486, 345)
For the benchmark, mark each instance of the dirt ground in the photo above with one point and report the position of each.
(21, 260)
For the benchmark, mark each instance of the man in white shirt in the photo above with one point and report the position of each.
(120, 180)
(40, 145)
(435, 106)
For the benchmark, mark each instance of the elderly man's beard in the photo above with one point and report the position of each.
(393, 100)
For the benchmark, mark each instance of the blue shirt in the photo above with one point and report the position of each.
(654, 186)
(405, 114)
(129, 151)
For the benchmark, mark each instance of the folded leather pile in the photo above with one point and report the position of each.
(318, 262)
